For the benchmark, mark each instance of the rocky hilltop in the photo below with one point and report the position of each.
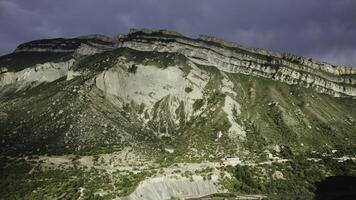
(157, 115)
(66, 45)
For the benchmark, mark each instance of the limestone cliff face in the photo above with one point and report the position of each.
(334, 80)
(337, 81)
(46, 72)
(163, 92)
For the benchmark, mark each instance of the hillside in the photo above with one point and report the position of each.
(155, 109)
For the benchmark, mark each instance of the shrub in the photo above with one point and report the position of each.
(132, 69)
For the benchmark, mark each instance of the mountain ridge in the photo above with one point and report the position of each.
(119, 37)
(230, 57)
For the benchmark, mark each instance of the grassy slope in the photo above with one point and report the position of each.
(272, 112)
(297, 119)
(302, 118)
(58, 118)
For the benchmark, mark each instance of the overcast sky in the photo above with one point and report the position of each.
(321, 29)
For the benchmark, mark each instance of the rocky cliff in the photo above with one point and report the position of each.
(233, 58)
(338, 81)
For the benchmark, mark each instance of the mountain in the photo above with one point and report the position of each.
(157, 115)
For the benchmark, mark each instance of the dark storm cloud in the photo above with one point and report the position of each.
(322, 29)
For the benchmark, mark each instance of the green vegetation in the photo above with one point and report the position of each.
(132, 69)
(127, 183)
(18, 183)
(291, 116)
(297, 177)
(198, 104)
(188, 89)
(51, 119)
(275, 115)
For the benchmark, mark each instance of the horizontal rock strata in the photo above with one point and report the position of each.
(337, 81)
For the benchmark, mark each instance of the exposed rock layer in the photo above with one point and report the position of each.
(231, 57)
(338, 81)
(46, 72)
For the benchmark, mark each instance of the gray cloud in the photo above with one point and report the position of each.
(321, 29)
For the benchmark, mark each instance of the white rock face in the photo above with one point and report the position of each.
(150, 84)
(147, 85)
(227, 86)
(46, 72)
(85, 50)
(166, 187)
(72, 74)
(230, 107)
(7, 78)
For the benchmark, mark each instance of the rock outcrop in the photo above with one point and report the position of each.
(46, 72)
(334, 80)
(150, 84)
(337, 81)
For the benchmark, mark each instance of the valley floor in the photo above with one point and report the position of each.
(121, 175)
